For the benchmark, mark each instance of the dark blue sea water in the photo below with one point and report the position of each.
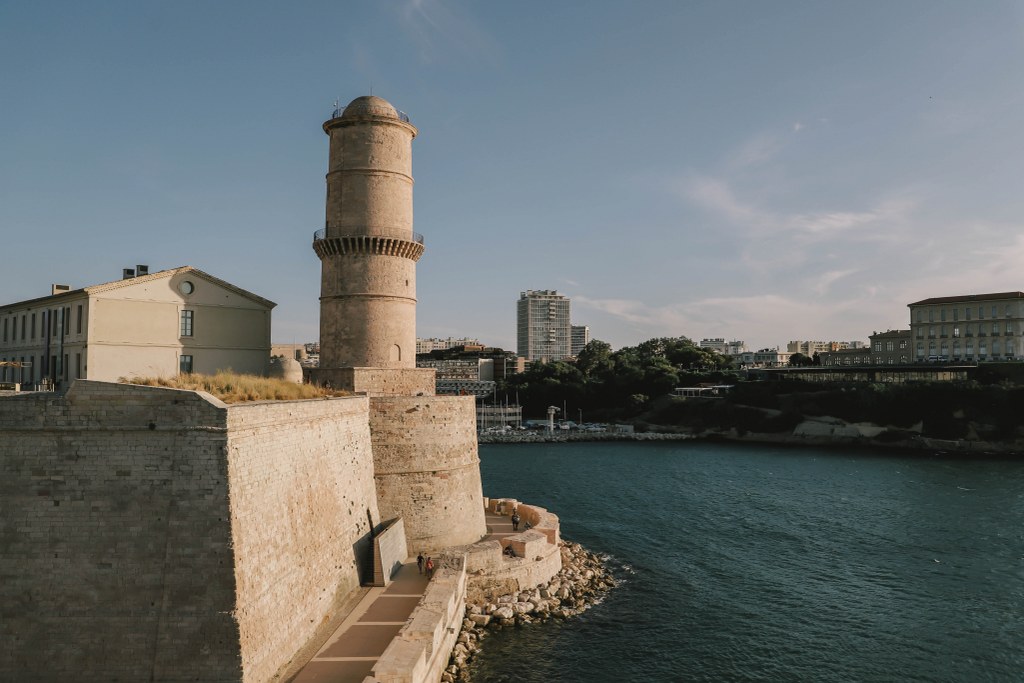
(754, 563)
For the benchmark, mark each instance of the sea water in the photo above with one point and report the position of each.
(757, 563)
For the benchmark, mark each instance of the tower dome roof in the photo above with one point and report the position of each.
(370, 105)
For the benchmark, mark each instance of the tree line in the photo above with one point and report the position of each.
(607, 384)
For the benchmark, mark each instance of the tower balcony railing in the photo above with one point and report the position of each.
(321, 234)
(388, 243)
(339, 110)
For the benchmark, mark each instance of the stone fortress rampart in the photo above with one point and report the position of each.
(158, 534)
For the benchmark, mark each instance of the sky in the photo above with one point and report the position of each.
(763, 171)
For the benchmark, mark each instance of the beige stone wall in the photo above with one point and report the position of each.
(301, 484)
(427, 469)
(156, 534)
(116, 553)
(377, 381)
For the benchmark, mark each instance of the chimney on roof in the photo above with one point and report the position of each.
(59, 289)
(141, 270)
(128, 274)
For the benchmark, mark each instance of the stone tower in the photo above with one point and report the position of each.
(367, 249)
(425, 462)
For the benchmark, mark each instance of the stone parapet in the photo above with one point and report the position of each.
(536, 517)
(377, 381)
(420, 651)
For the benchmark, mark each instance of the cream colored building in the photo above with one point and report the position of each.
(159, 324)
(971, 328)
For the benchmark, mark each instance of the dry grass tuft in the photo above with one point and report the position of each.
(231, 387)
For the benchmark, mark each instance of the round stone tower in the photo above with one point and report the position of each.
(367, 249)
(426, 468)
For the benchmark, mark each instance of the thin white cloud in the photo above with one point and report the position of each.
(797, 127)
(758, 150)
(437, 28)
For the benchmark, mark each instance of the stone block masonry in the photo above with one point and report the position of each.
(427, 468)
(157, 534)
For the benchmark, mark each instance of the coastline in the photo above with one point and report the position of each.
(849, 436)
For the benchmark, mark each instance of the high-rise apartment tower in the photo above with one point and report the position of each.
(543, 329)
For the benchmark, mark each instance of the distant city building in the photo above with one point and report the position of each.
(436, 344)
(726, 348)
(971, 327)
(848, 356)
(809, 348)
(542, 325)
(892, 347)
(762, 358)
(460, 368)
(145, 324)
(580, 337)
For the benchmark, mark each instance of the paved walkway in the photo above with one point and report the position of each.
(349, 654)
(498, 526)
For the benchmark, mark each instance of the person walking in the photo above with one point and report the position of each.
(515, 520)
(419, 563)
(430, 568)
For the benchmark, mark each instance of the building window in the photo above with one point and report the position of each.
(942, 315)
(993, 311)
(5, 329)
(931, 315)
(186, 325)
(995, 328)
(78, 364)
(981, 312)
(1009, 328)
(967, 314)
(78, 326)
(920, 316)
(66, 323)
(956, 314)
(956, 331)
(185, 365)
(33, 335)
(889, 345)
(23, 328)
(64, 370)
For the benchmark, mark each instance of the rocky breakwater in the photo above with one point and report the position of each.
(581, 583)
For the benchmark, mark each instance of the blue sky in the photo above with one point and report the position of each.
(757, 170)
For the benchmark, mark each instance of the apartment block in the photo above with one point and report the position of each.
(543, 330)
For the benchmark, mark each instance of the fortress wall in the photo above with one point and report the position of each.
(116, 559)
(301, 483)
(426, 468)
(378, 381)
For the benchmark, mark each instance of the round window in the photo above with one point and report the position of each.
(186, 287)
